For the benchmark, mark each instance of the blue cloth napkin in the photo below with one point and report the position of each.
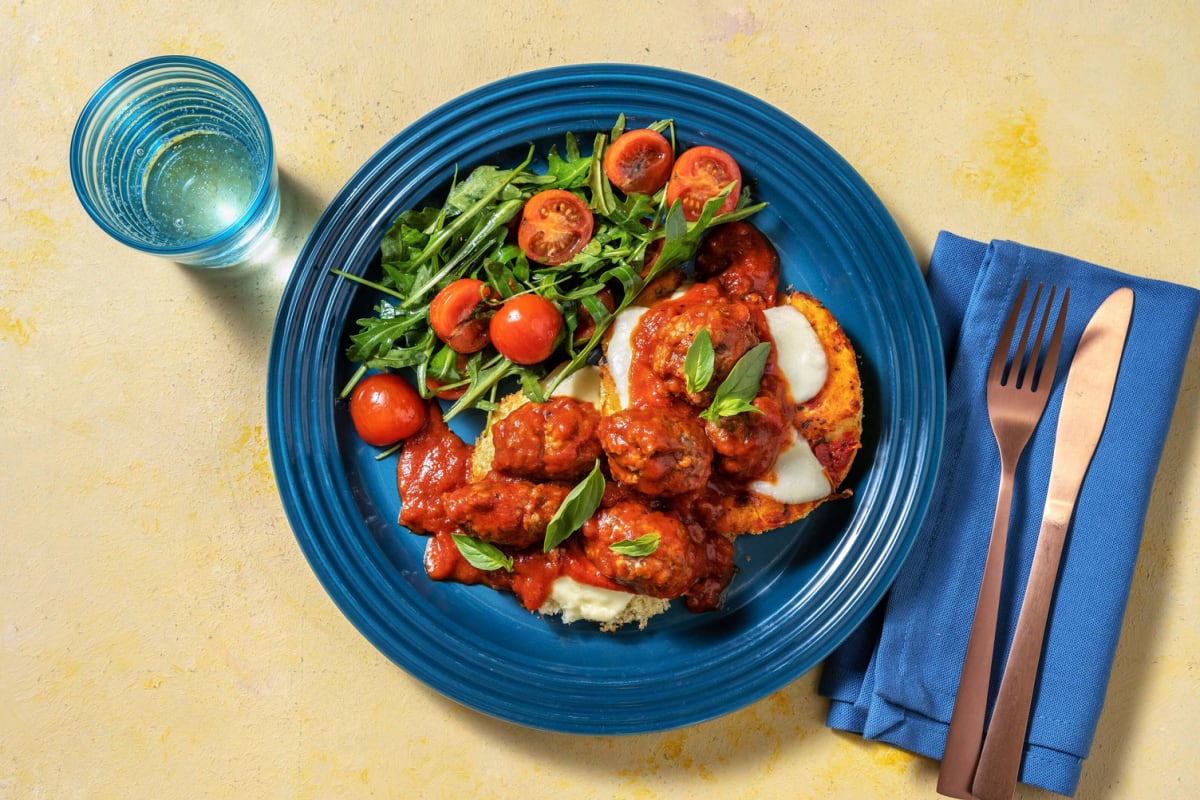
(895, 678)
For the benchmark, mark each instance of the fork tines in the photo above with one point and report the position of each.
(1025, 359)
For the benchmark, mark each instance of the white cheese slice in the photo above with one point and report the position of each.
(575, 601)
(798, 476)
(619, 353)
(800, 354)
(582, 385)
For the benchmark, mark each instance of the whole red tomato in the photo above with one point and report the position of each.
(385, 409)
(525, 329)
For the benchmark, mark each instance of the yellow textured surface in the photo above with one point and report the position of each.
(161, 634)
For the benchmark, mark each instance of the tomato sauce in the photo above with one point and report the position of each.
(649, 459)
(433, 462)
(533, 575)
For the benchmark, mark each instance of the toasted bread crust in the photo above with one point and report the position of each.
(831, 423)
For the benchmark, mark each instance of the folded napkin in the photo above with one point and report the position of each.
(895, 678)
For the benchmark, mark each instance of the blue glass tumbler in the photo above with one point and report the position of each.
(173, 156)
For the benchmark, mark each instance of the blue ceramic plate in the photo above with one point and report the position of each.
(800, 591)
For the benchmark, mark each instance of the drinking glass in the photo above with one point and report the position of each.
(173, 156)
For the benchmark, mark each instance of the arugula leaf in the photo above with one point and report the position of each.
(378, 335)
(570, 172)
(576, 509)
(490, 231)
(603, 199)
(439, 239)
(478, 185)
(532, 387)
(738, 390)
(482, 555)
(698, 363)
(618, 127)
(643, 545)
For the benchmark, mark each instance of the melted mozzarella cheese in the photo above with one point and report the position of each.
(799, 351)
(575, 600)
(582, 385)
(619, 353)
(798, 476)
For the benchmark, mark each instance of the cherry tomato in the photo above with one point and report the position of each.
(525, 328)
(639, 161)
(555, 225)
(455, 315)
(385, 408)
(700, 173)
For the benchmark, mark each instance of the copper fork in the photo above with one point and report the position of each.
(1017, 391)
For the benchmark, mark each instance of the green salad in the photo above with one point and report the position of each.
(492, 287)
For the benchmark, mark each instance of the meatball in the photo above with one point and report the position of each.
(738, 259)
(656, 452)
(746, 445)
(732, 327)
(504, 510)
(551, 441)
(674, 566)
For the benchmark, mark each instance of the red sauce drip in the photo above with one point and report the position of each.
(431, 463)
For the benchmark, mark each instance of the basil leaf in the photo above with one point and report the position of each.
(576, 509)
(698, 363)
(728, 407)
(482, 555)
(643, 545)
(740, 386)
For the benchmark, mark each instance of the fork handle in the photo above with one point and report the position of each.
(965, 735)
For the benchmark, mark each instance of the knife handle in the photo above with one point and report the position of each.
(1000, 759)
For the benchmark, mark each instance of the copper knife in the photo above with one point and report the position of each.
(1086, 400)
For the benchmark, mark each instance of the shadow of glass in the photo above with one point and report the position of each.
(248, 293)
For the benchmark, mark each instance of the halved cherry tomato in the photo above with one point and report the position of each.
(700, 173)
(526, 328)
(555, 225)
(639, 161)
(385, 408)
(455, 315)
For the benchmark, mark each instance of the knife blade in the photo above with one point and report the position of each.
(1087, 397)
